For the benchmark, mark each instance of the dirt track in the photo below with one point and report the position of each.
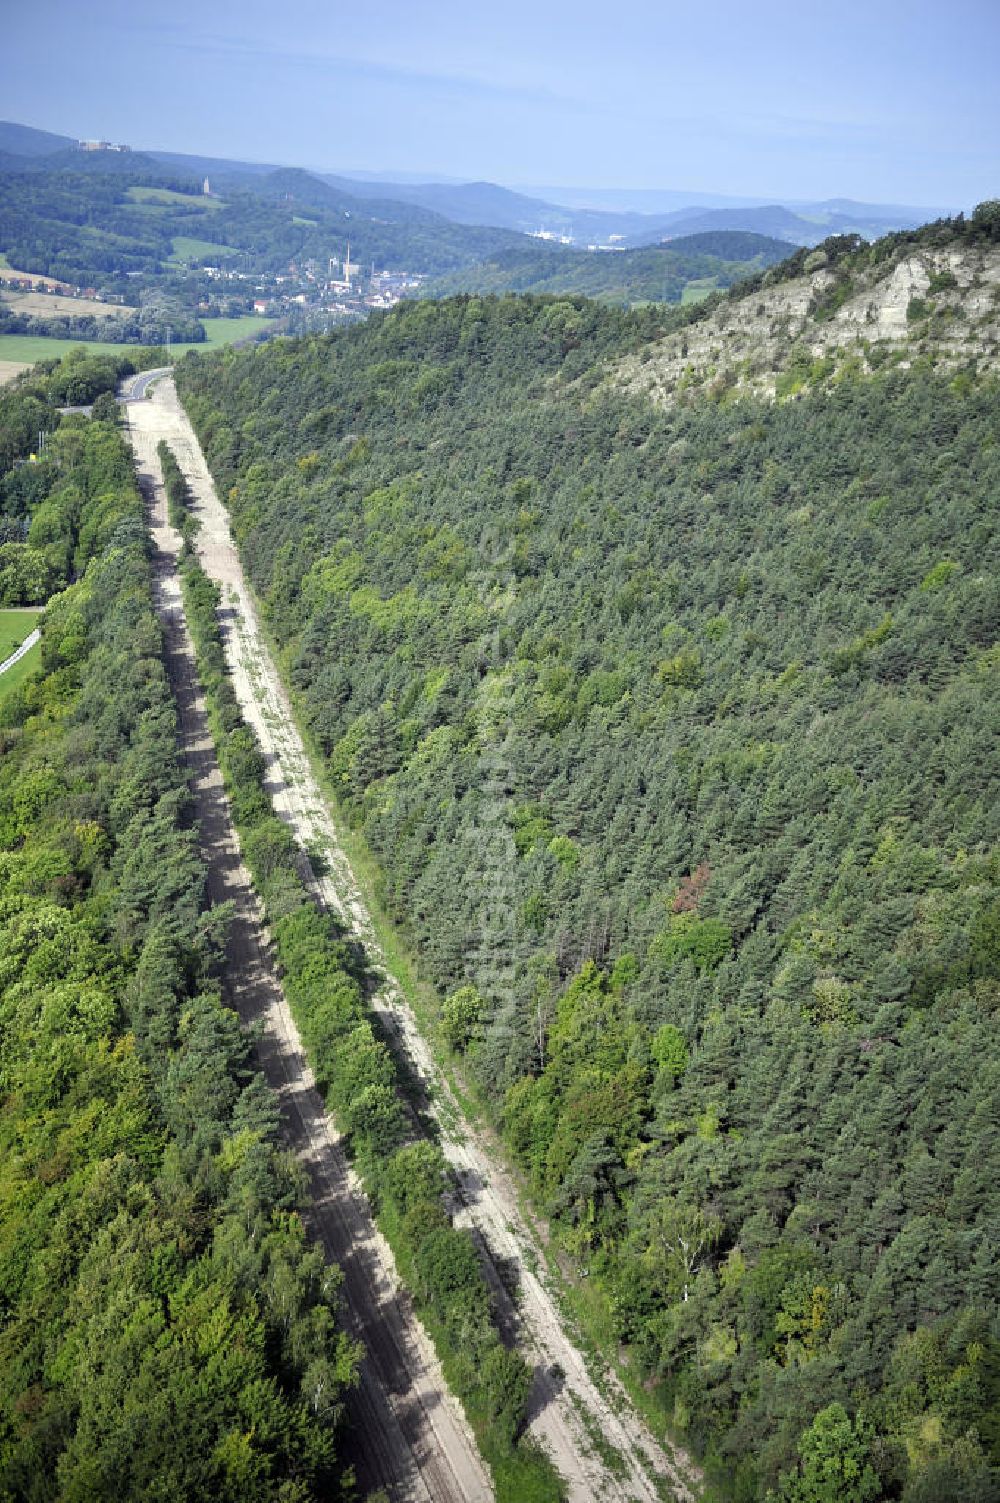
(408, 1434)
(569, 1412)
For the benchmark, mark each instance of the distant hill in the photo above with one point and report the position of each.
(602, 217)
(583, 217)
(808, 226)
(26, 141)
(733, 245)
(686, 269)
(490, 204)
(75, 215)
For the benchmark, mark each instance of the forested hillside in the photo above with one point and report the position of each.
(165, 1328)
(672, 728)
(96, 228)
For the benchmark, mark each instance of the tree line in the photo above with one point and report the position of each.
(166, 1328)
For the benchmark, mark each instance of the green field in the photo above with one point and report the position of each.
(188, 248)
(219, 331)
(14, 627)
(32, 347)
(167, 196)
(699, 288)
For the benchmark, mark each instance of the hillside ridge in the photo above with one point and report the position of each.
(840, 307)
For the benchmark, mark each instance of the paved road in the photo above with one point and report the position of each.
(566, 1413)
(134, 388)
(407, 1434)
(26, 646)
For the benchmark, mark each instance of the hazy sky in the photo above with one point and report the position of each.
(875, 99)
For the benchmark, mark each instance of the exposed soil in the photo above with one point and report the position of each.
(407, 1432)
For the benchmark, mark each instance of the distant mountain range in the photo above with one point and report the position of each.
(598, 217)
(589, 225)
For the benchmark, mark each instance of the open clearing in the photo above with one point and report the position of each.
(698, 289)
(27, 348)
(11, 368)
(52, 305)
(15, 625)
(220, 331)
(22, 350)
(22, 669)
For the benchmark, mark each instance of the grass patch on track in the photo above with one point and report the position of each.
(15, 677)
(15, 625)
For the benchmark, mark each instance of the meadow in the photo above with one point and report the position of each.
(167, 196)
(27, 348)
(188, 249)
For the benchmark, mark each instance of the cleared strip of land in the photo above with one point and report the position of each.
(410, 1437)
(595, 1438)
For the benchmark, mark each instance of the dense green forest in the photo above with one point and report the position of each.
(659, 273)
(96, 229)
(166, 1329)
(673, 732)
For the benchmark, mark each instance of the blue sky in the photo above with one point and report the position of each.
(891, 100)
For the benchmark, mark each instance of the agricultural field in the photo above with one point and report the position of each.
(166, 197)
(220, 331)
(52, 283)
(14, 627)
(17, 351)
(698, 289)
(51, 305)
(188, 249)
(25, 349)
